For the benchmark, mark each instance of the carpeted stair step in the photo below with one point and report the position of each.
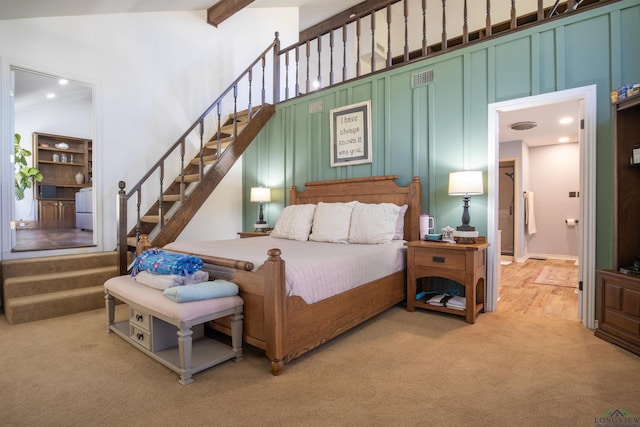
(53, 304)
(59, 281)
(54, 264)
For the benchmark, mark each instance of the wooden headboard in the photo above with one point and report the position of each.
(374, 189)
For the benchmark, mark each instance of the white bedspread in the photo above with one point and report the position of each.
(314, 270)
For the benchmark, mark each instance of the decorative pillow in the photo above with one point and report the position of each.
(294, 222)
(400, 225)
(206, 290)
(331, 222)
(373, 223)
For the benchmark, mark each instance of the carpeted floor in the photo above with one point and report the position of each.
(557, 276)
(400, 368)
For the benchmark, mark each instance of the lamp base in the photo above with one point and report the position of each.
(260, 226)
(465, 236)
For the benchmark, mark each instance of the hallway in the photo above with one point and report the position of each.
(519, 293)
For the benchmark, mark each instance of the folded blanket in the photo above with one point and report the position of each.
(206, 290)
(164, 281)
(162, 262)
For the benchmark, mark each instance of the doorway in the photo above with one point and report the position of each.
(586, 98)
(58, 108)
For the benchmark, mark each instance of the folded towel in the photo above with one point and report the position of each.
(162, 262)
(457, 303)
(436, 300)
(206, 290)
(164, 281)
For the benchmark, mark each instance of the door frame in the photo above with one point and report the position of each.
(587, 98)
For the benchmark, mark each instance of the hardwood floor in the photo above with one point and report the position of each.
(519, 293)
(51, 238)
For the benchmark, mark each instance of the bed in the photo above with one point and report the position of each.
(285, 326)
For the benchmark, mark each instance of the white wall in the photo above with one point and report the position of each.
(153, 74)
(554, 172)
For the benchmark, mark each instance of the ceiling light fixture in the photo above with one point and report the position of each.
(523, 125)
(63, 82)
(51, 95)
(564, 139)
(566, 120)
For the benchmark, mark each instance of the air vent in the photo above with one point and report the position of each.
(315, 107)
(422, 78)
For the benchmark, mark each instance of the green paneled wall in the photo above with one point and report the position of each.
(433, 129)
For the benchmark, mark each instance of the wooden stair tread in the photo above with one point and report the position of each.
(228, 129)
(224, 142)
(154, 219)
(207, 160)
(170, 197)
(189, 178)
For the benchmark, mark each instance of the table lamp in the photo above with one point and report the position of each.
(465, 183)
(260, 195)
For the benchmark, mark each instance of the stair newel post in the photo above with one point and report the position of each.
(160, 199)
(122, 228)
(276, 69)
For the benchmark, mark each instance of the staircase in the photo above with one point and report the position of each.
(41, 288)
(177, 205)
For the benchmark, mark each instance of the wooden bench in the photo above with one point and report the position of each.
(173, 333)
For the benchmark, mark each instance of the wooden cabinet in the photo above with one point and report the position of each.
(619, 293)
(65, 163)
(56, 214)
(462, 263)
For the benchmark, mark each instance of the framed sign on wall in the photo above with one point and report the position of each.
(350, 128)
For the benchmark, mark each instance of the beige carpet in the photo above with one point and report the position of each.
(558, 276)
(401, 368)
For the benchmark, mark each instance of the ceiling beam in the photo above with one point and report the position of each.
(225, 9)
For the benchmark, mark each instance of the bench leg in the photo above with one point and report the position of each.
(110, 305)
(236, 335)
(184, 347)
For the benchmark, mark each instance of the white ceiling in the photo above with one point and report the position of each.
(311, 11)
(31, 88)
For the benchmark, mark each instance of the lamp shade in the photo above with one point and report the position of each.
(260, 194)
(465, 183)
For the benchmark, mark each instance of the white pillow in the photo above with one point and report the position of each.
(373, 223)
(294, 222)
(331, 222)
(400, 224)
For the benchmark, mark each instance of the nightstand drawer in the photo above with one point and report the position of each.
(447, 259)
(140, 319)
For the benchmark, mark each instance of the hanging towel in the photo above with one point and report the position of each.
(529, 213)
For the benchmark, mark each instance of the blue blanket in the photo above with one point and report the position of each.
(159, 261)
(199, 291)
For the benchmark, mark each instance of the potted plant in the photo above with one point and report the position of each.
(25, 174)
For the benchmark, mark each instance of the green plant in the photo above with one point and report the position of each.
(25, 175)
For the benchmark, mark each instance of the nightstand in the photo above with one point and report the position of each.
(462, 263)
(246, 234)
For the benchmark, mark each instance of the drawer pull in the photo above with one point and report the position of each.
(438, 259)
(140, 336)
(139, 317)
